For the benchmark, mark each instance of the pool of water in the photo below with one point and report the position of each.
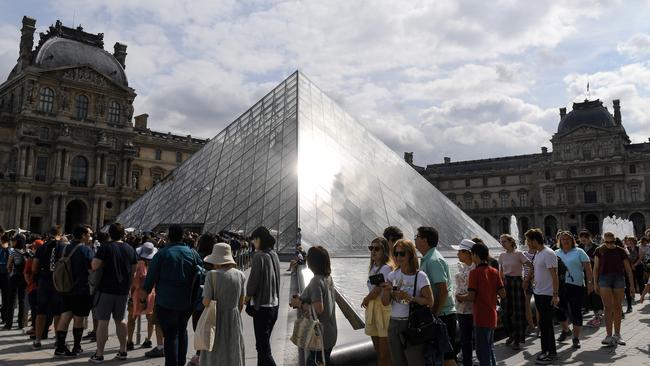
(350, 276)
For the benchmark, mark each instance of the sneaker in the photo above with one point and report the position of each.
(541, 356)
(515, 346)
(576, 343)
(546, 360)
(121, 356)
(76, 351)
(130, 346)
(155, 352)
(629, 310)
(36, 345)
(89, 336)
(61, 351)
(96, 359)
(607, 341)
(508, 341)
(618, 340)
(146, 344)
(594, 323)
(563, 336)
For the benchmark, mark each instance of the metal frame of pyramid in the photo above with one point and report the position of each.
(297, 160)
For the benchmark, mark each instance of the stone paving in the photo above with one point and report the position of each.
(15, 348)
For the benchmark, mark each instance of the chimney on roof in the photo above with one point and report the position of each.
(141, 121)
(544, 150)
(562, 112)
(408, 158)
(447, 159)
(119, 52)
(617, 111)
(26, 41)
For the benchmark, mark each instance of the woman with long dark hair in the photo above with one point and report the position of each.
(377, 314)
(263, 293)
(17, 283)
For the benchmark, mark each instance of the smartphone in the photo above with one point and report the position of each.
(377, 279)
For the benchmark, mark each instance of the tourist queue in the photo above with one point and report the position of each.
(416, 312)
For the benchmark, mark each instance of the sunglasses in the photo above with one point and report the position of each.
(400, 254)
(373, 248)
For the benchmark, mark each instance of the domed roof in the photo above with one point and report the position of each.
(60, 52)
(590, 113)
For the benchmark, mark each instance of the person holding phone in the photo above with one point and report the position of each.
(408, 285)
(378, 314)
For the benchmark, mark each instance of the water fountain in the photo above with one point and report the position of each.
(619, 226)
(514, 229)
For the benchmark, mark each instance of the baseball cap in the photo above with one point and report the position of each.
(465, 244)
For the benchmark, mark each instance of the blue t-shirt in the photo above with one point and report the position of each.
(437, 269)
(573, 260)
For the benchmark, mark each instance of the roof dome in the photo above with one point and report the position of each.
(590, 113)
(61, 52)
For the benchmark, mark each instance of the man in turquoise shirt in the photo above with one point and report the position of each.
(437, 269)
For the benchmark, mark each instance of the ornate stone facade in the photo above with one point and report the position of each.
(592, 171)
(70, 152)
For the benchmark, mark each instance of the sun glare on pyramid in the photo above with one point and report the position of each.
(318, 165)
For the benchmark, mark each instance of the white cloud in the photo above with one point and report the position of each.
(636, 46)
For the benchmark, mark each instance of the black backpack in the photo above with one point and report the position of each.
(19, 262)
(4, 258)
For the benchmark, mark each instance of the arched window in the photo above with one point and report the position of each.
(82, 106)
(591, 196)
(46, 101)
(79, 172)
(114, 112)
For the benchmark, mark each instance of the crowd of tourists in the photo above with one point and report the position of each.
(416, 312)
(566, 280)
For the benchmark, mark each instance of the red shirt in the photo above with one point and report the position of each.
(485, 282)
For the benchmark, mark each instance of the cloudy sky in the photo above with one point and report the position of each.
(465, 79)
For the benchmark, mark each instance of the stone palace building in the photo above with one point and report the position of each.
(71, 153)
(593, 171)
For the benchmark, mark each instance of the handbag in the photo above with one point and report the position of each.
(421, 322)
(207, 326)
(308, 333)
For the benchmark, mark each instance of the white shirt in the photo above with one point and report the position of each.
(544, 260)
(385, 270)
(405, 283)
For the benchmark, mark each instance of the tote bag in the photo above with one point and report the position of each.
(207, 325)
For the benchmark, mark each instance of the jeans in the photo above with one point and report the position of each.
(485, 346)
(546, 331)
(466, 325)
(264, 319)
(174, 326)
(4, 295)
(17, 286)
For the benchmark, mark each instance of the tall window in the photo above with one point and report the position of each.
(114, 112)
(632, 169)
(634, 192)
(468, 201)
(44, 133)
(157, 177)
(46, 101)
(158, 154)
(548, 195)
(609, 193)
(590, 194)
(79, 172)
(40, 174)
(523, 199)
(571, 195)
(486, 200)
(179, 157)
(485, 181)
(466, 182)
(82, 106)
(111, 173)
(503, 180)
(504, 199)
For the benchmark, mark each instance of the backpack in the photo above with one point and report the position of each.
(646, 260)
(196, 287)
(4, 259)
(62, 274)
(19, 262)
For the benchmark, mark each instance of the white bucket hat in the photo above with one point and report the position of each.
(221, 254)
(146, 251)
(465, 244)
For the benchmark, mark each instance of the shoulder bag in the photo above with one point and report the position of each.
(421, 322)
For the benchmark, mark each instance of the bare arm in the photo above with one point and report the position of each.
(468, 297)
(596, 272)
(242, 301)
(385, 294)
(96, 264)
(442, 297)
(589, 276)
(556, 285)
(630, 277)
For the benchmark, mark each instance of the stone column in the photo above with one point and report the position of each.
(27, 201)
(19, 209)
(57, 164)
(101, 213)
(54, 210)
(31, 157)
(98, 169)
(62, 207)
(66, 165)
(129, 167)
(102, 174)
(21, 162)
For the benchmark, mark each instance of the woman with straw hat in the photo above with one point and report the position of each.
(225, 285)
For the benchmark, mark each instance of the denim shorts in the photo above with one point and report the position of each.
(611, 281)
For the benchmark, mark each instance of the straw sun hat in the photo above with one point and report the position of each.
(221, 254)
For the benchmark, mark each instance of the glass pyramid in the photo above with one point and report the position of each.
(297, 160)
